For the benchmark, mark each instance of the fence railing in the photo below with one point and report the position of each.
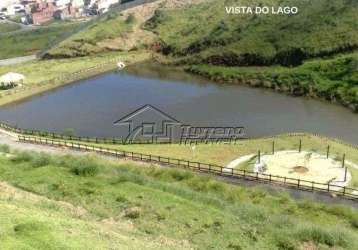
(217, 170)
(114, 140)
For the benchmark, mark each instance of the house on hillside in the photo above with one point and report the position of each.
(14, 9)
(43, 12)
(29, 5)
(68, 11)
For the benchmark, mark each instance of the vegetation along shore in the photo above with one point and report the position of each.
(312, 53)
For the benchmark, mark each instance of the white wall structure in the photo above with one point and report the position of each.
(6, 3)
(105, 4)
(78, 3)
(61, 3)
(14, 8)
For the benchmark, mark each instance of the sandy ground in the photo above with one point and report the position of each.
(237, 162)
(315, 167)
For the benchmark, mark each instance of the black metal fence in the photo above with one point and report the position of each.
(222, 171)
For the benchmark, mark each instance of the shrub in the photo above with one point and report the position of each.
(4, 148)
(40, 160)
(180, 175)
(132, 213)
(22, 157)
(85, 170)
(121, 199)
(285, 243)
(129, 176)
(130, 19)
(29, 227)
(318, 235)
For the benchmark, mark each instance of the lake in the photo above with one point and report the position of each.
(90, 107)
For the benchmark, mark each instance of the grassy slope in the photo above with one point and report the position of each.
(85, 42)
(32, 41)
(321, 27)
(46, 70)
(332, 79)
(205, 35)
(30, 221)
(8, 27)
(47, 74)
(176, 208)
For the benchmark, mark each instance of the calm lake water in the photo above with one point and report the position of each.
(90, 107)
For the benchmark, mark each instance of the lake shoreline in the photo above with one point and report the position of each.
(33, 88)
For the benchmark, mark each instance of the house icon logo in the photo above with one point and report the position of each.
(148, 124)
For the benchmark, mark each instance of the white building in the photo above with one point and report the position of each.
(105, 4)
(6, 3)
(78, 3)
(14, 9)
(75, 3)
(60, 3)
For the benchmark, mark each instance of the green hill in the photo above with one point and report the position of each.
(84, 202)
(29, 42)
(245, 48)
(206, 33)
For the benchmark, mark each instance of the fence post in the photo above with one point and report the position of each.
(259, 156)
(345, 174)
(343, 160)
(328, 187)
(300, 146)
(273, 147)
(298, 183)
(327, 151)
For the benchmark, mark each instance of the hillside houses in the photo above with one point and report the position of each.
(39, 12)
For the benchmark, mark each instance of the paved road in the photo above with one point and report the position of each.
(17, 60)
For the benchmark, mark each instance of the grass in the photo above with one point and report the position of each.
(86, 41)
(146, 206)
(223, 153)
(331, 79)
(30, 42)
(8, 27)
(247, 48)
(43, 75)
(34, 222)
(206, 32)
